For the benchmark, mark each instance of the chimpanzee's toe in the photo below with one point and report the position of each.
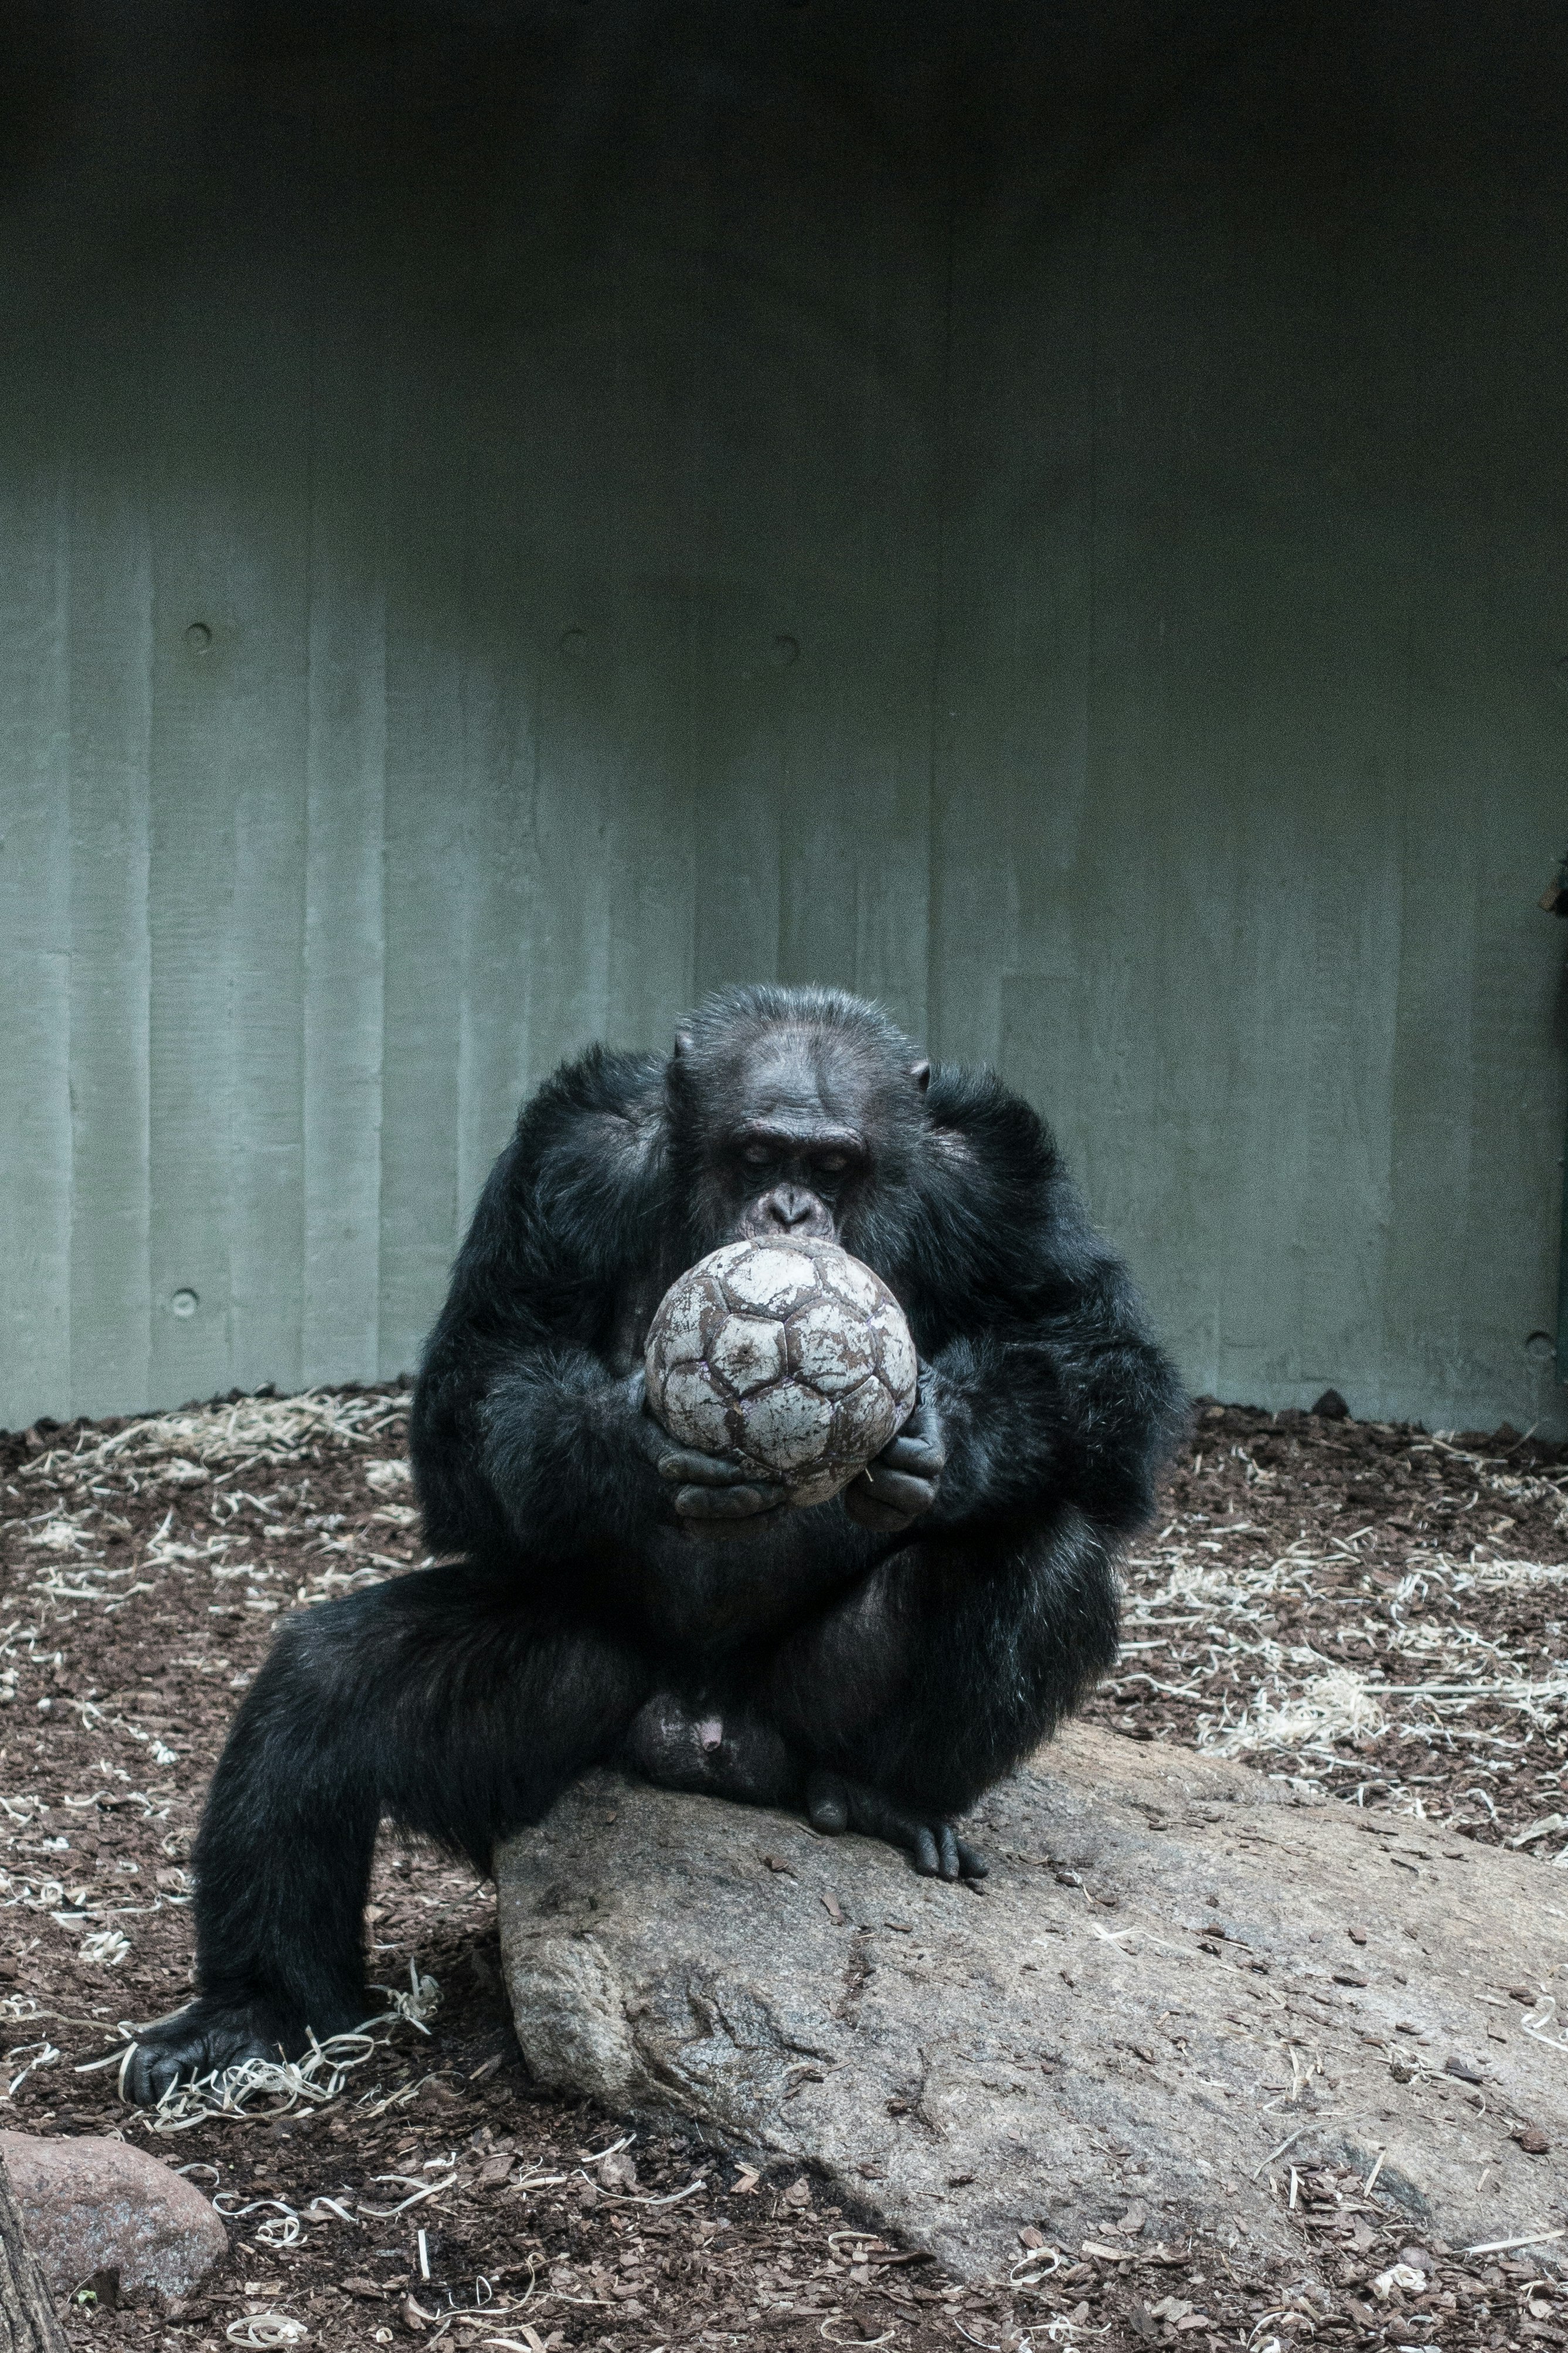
(194, 2041)
(828, 1804)
(834, 1804)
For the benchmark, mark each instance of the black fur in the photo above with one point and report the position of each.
(884, 1674)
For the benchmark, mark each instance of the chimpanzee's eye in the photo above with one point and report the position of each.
(832, 1164)
(757, 1155)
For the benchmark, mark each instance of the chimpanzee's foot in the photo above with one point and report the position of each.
(208, 2035)
(834, 1804)
(727, 1755)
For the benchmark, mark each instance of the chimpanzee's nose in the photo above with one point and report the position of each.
(787, 1206)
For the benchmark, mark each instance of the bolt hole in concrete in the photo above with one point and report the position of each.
(573, 644)
(199, 637)
(1540, 1345)
(785, 650)
(184, 1305)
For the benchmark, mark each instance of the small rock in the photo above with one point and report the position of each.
(618, 2173)
(1331, 1407)
(1532, 2141)
(90, 2205)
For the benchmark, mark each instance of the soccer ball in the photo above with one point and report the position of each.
(787, 1354)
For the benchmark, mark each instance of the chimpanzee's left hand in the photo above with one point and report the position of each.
(713, 1497)
(901, 1482)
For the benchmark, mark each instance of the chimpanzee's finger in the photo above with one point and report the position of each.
(647, 1432)
(948, 1846)
(924, 1423)
(867, 1511)
(898, 1490)
(727, 1503)
(919, 1445)
(684, 1467)
(913, 1454)
(975, 1863)
(926, 1860)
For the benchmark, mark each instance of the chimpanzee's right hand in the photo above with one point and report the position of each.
(713, 1498)
(903, 1482)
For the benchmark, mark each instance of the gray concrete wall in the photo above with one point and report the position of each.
(510, 520)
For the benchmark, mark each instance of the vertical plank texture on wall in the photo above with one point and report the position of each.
(1242, 960)
(111, 742)
(345, 784)
(35, 960)
(1049, 527)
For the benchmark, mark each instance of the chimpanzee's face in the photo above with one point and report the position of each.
(787, 1149)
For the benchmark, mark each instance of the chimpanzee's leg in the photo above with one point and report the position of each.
(938, 1674)
(433, 1700)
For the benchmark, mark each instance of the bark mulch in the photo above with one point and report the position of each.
(1375, 1610)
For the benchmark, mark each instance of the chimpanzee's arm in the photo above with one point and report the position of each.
(525, 1435)
(1077, 1406)
(1041, 1383)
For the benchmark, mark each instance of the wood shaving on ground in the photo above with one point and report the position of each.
(1365, 1610)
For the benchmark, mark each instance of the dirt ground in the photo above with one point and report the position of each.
(1372, 1608)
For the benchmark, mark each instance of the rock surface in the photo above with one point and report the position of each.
(1176, 1968)
(92, 2205)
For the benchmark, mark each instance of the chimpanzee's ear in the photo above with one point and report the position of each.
(920, 1074)
(682, 1044)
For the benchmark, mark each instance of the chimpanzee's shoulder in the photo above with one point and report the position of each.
(998, 1217)
(981, 1126)
(585, 1171)
(605, 1099)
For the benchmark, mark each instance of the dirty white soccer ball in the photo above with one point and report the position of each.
(787, 1354)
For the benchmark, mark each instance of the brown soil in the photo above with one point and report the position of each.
(1375, 1610)
(1372, 1608)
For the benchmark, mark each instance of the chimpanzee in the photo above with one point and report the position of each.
(879, 1660)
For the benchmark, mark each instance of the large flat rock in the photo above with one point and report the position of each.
(1157, 1988)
